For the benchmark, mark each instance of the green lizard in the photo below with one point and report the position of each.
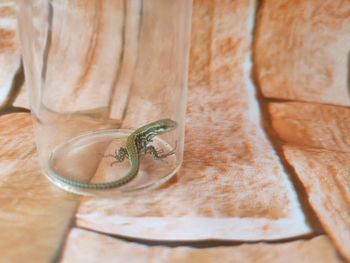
(137, 143)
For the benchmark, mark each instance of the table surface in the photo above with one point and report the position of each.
(265, 175)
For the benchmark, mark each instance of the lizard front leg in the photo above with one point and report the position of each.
(158, 154)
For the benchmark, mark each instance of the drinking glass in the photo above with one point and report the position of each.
(97, 71)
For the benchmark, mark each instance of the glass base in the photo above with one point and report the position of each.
(90, 158)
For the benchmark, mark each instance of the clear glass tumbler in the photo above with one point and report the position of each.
(98, 71)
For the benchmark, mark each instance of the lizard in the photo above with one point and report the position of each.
(137, 143)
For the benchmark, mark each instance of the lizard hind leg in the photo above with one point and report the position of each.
(119, 155)
(158, 154)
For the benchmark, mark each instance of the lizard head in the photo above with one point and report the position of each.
(158, 127)
(165, 125)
